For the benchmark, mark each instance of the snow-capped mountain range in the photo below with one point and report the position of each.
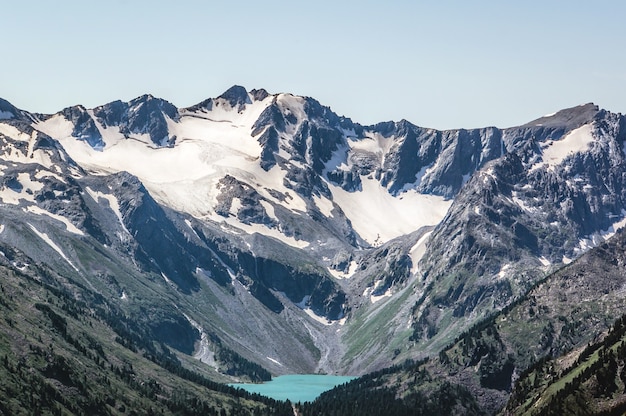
(298, 238)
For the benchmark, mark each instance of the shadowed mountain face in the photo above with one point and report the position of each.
(270, 230)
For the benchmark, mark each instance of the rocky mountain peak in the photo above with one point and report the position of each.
(142, 115)
(8, 110)
(569, 118)
(236, 96)
(259, 95)
(147, 104)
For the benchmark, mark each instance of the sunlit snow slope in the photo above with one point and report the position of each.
(218, 140)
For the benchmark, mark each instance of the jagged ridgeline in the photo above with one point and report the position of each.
(259, 234)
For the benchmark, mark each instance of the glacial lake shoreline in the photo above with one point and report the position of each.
(295, 387)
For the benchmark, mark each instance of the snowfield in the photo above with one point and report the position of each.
(211, 144)
(379, 217)
(555, 151)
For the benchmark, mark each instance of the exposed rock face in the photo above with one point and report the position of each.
(143, 115)
(274, 204)
(250, 209)
(537, 204)
(85, 127)
(8, 111)
(307, 287)
(237, 97)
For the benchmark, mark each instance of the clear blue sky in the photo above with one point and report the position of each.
(444, 64)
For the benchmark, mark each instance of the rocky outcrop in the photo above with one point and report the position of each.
(249, 208)
(526, 211)
(84, 126)
(143, 115)
(304, 285)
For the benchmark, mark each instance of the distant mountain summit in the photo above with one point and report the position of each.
(7, 110)
(570, 118)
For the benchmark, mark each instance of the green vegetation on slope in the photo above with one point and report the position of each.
(587, 381)
(371, 395)
(565, 311)
(66, 350)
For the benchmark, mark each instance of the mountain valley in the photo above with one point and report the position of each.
(259, 234)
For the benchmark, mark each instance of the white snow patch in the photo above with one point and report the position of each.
(167, 280)
(207, 273)
(375, 299)
(593, 240)
(324, 205)
(373, 143)
(371, 289)
(610, 232)
(235, 206)
(124, 296)
(15, 154)
(20, 266)
(34, 209)
(504, 270)
(9, 196)
(303, 302)
(29, 187)
(45, 173)
(192, 229)
(417, 251)
(367, 292)
(269, 209)
(341, 275)
(554, 152)
(522, 204)
(1, 228)
(13, 132)
(203, 353)
(51, 243)
(291, 104)
(585, 244)
(56, 126)
(231, 222)
(488, 174)
(379, 217)
(545, 261)
(113, 204)
(566, 260)
(274, 361)
(28, 183)
(419, 176)
(303, 305)
(319, 319)
(338, 160)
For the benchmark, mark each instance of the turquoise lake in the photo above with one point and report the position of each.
(295, 387)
